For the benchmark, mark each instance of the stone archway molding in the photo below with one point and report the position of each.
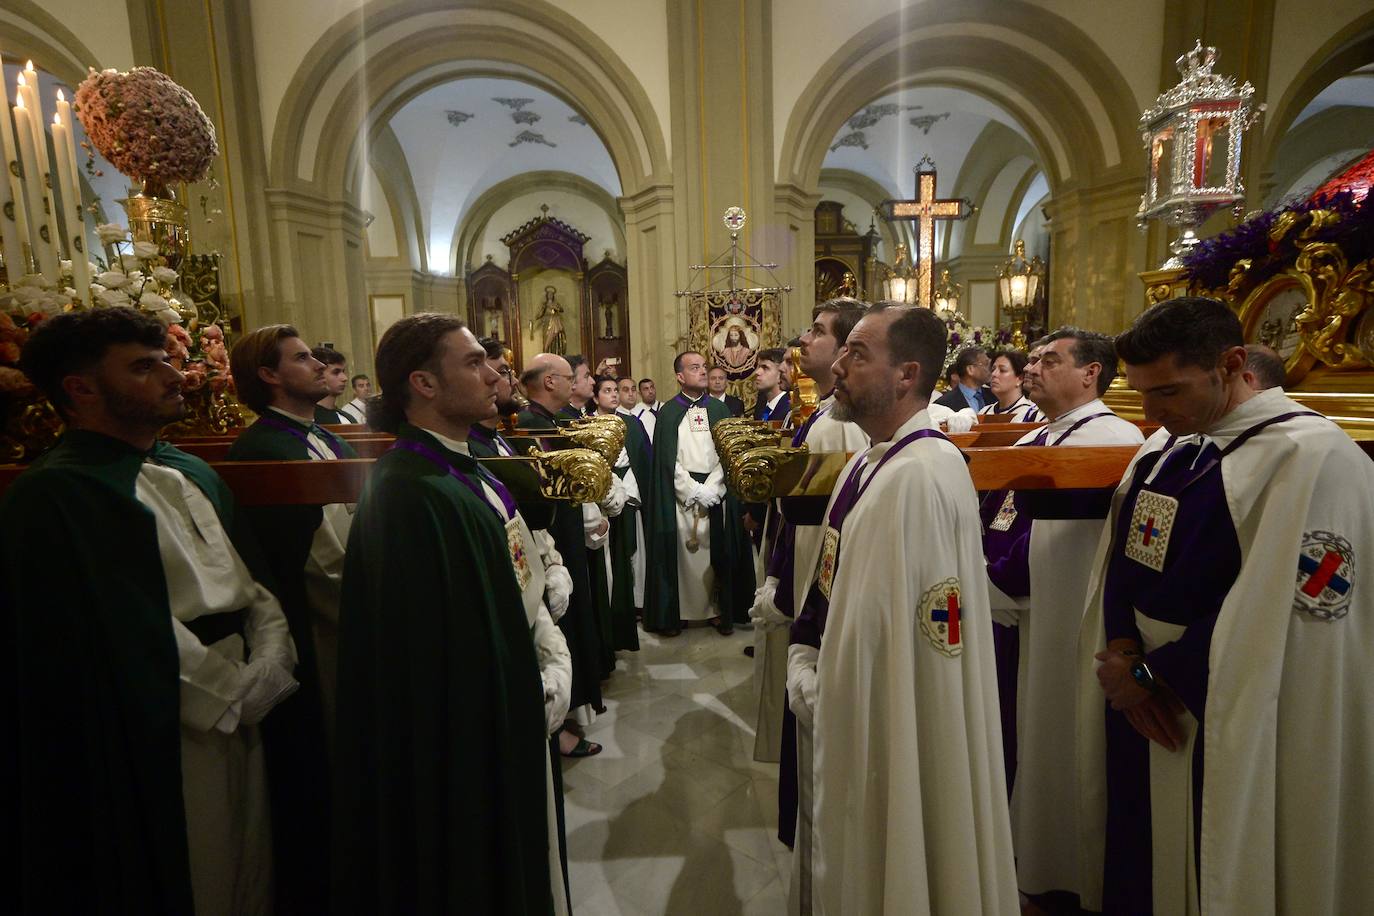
(1071, 99)
(373, 60)
(31, 33)
(472, 225)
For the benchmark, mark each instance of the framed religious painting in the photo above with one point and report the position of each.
(1269, 316)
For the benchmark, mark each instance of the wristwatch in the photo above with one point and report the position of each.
(1142, 675)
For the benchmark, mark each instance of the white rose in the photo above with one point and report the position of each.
(146, 250)
(113, 298)
(136, 276)
(110, 233)
(128, 262)
(93, 267)
(152, 302)
(113, 279)
(65, 266)
(165, 275)
(37, 281)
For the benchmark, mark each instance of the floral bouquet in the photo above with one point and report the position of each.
(146, 125)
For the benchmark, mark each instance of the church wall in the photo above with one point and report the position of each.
(381, 234)
(1304, 28)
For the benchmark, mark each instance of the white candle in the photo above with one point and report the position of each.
(14, 221)
(71, 208)
(23, 134)
(41, 207)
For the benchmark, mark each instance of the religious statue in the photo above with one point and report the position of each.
(549, 317)
(849, 287)
(493, 309)
(608, 309)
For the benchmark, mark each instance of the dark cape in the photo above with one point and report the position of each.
(625, 536)
(93, 760)
(295, 733)
(731, 555)
(328, 416)
(580, 623)
(440, 757)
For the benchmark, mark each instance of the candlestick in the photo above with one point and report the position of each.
(23, 134)
(42, 209)
(70, 193)
(14, 219)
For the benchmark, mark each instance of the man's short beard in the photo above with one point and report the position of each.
(507, 407)
(860, 407)
(132, 414)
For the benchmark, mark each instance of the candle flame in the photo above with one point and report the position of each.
(56, 120)
(18, 101)
(60, 96)
(22, 81)
(29, 66)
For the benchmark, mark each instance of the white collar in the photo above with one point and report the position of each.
(774, 403)
(307, 421)
(719, 397)
(453, 445)
(1268, 403)
(919, 420)
(1064, 421)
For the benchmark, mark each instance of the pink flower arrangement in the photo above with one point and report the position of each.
(146, 125)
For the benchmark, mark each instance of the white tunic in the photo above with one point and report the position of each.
(696, 453)
(1023, 411)
(224, 783)
(1044, 799)
(911, 807)
(648, 415)
(1286, 785)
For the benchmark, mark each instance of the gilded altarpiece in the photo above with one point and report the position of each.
(491, 301)
(548, 276)
(845, 261)
(609, 289)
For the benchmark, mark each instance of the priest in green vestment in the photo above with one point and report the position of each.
(442, 777)
(142, 650)
(277, 375)
(700, 564)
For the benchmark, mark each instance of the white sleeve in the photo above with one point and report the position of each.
(591, 520)
(631, 484)
(555, 668)
(266, 631)
(684, 487)
(211, 684)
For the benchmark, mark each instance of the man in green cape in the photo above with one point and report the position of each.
(134, 770)
(442, 776)
(699, 559)
(279, 378)
(547, 381)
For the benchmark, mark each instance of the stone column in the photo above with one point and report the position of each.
(655, 264)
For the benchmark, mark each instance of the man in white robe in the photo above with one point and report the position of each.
(649, 405)
(1228, 628)
(777, 736)
(911, 808)
(1045, 559)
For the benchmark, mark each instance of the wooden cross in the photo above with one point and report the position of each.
(925, 209)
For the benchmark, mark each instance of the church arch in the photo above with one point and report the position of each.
(999, 160)
(371, 62)
(1350, 48)
(1075, 105)
(873, 194)
(467, 235)
(31, 33)
(388, 162)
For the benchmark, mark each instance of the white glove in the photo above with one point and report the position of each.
(614, 503)
(555, 706)
(558, 588)
(801, 682)
(765, 613)
(266, 684)
(708, 497)
(962, 421)
(693, 496)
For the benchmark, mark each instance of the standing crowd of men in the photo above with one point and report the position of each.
(1143, 701)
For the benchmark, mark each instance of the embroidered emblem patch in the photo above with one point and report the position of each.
(697, 420)
(1006, 516)
(1147, 539)
(830, 551)
(940, 617)
(1326, 576)
(519, 560)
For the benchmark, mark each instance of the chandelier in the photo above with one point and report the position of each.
(1019, 283)
(901, 280)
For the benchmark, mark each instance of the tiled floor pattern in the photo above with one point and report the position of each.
(675, 817)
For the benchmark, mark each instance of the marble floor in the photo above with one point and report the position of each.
(675, 816)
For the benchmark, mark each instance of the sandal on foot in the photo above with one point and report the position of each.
(584, 748)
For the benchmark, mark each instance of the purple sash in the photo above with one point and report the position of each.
(300, 434)
(810, 623)
(492, 438)
(424, 451)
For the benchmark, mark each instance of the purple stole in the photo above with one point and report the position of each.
(330, 439)
(507, 500)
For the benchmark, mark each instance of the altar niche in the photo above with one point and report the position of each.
(547, 300)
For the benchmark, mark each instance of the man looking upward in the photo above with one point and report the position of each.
(648, 407)
(580, 399)
(716, 381)
(773, 402)
(336, 383)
